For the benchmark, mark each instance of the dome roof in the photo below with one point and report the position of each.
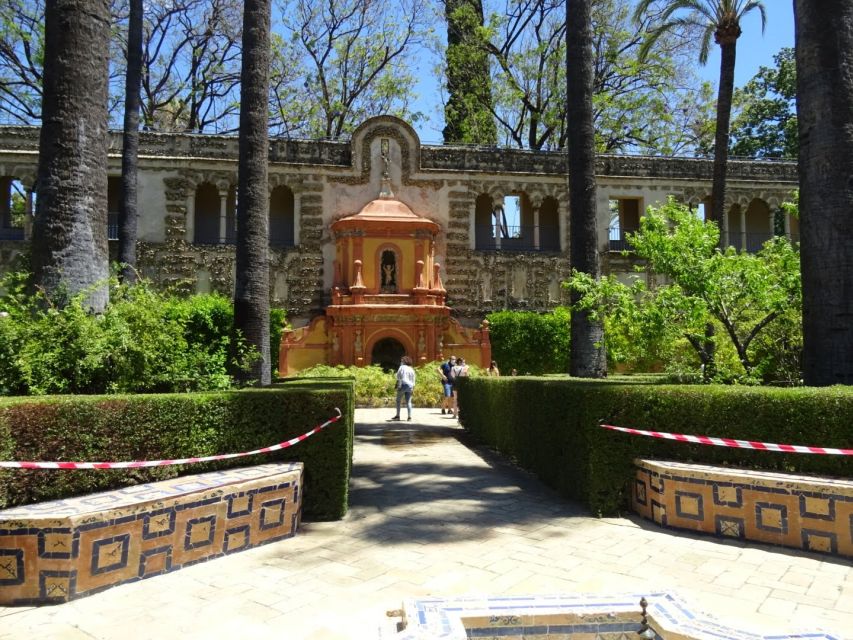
(385, 213)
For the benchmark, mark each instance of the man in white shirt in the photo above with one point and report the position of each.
(405, 385)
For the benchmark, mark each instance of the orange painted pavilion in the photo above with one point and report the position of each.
(387, 298)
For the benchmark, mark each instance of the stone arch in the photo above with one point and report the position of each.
(549, 224)
(484, 228)
(759, 220)
(15, 204)
(389, 337)
(282, 217)
(207, 214)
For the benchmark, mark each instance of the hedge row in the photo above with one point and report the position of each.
(153, 427)
(550, 426)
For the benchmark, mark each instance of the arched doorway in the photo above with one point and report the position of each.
(387, 353)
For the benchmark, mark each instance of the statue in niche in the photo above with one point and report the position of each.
(389, 272)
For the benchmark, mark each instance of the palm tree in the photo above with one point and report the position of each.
(130, 146)
(252, 289)
(720, 19)
(824, 51)
(70, 251)
(587, 358)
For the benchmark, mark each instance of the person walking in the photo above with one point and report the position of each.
(447, 385)
(405, 385)
(460, 370)
(493, 370)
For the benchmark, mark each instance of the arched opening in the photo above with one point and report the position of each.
(388, 271)
(549, 225)
(758, 225)
(387, 353)
(13, 209)
(114, 194)
(206, 214)
(484, 228)
(281, 217)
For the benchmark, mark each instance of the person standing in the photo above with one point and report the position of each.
(459, 370)
(493, 370)
(447, 385)
(405, 385)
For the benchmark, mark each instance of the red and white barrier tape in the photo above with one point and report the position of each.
(738, 444)
(164, 463)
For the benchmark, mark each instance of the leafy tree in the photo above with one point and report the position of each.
(587, 353)
(342, 61)
(468, 114)
(651, 106)
(765, 124)
(824, 36)
(21, 59)
(190, 58)
(252, 288)
(69, 245)
(720, 19)
(744, 294)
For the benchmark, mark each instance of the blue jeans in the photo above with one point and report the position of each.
(407, 392)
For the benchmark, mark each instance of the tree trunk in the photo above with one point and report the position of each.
(468, 112)
(130, 146)
(70, 252)
(252, 289)
(587, 351)
(824, 49)
(721, 136)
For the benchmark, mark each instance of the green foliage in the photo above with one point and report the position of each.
(144, 342)
(532, 343)
(468, 113)
(176, 426)
(765, 121)
(551, 427)
(751, 302)
(375, 387)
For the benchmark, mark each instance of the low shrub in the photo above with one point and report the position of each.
(134, 427)
(551, 427)
(146, 341)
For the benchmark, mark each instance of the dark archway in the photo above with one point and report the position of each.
(387, 353)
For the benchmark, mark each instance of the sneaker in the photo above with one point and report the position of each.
(409, 418)
(442, 412)
(394, 418)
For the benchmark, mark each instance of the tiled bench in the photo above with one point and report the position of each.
(803, 512)
(52, 552)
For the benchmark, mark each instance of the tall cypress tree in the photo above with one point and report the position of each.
(468, 114)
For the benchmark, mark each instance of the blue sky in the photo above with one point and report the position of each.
(754, 50)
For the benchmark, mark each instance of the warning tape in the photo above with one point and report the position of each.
(738, 444)
(165, 463)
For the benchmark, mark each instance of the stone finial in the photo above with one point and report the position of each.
(359, 281)
(384, 152)
(437, 284)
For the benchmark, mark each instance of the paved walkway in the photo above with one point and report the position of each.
(430, 516)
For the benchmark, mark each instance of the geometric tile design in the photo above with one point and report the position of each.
(771, 517)
(811, 513)
(587, 616)
(57, 551)
(689, 505)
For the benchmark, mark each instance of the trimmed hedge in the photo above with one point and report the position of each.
(550, 427)
(140, 427)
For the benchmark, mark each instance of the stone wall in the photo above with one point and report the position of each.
(333, 179)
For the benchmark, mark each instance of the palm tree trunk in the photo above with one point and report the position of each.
(721, 136)
(130, 146)
(824, 50)
(252, 289)
(70, 252)
(587, 351)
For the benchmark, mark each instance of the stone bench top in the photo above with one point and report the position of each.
(129, 497)
(777, 480)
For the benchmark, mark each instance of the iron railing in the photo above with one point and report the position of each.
(517, 238)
